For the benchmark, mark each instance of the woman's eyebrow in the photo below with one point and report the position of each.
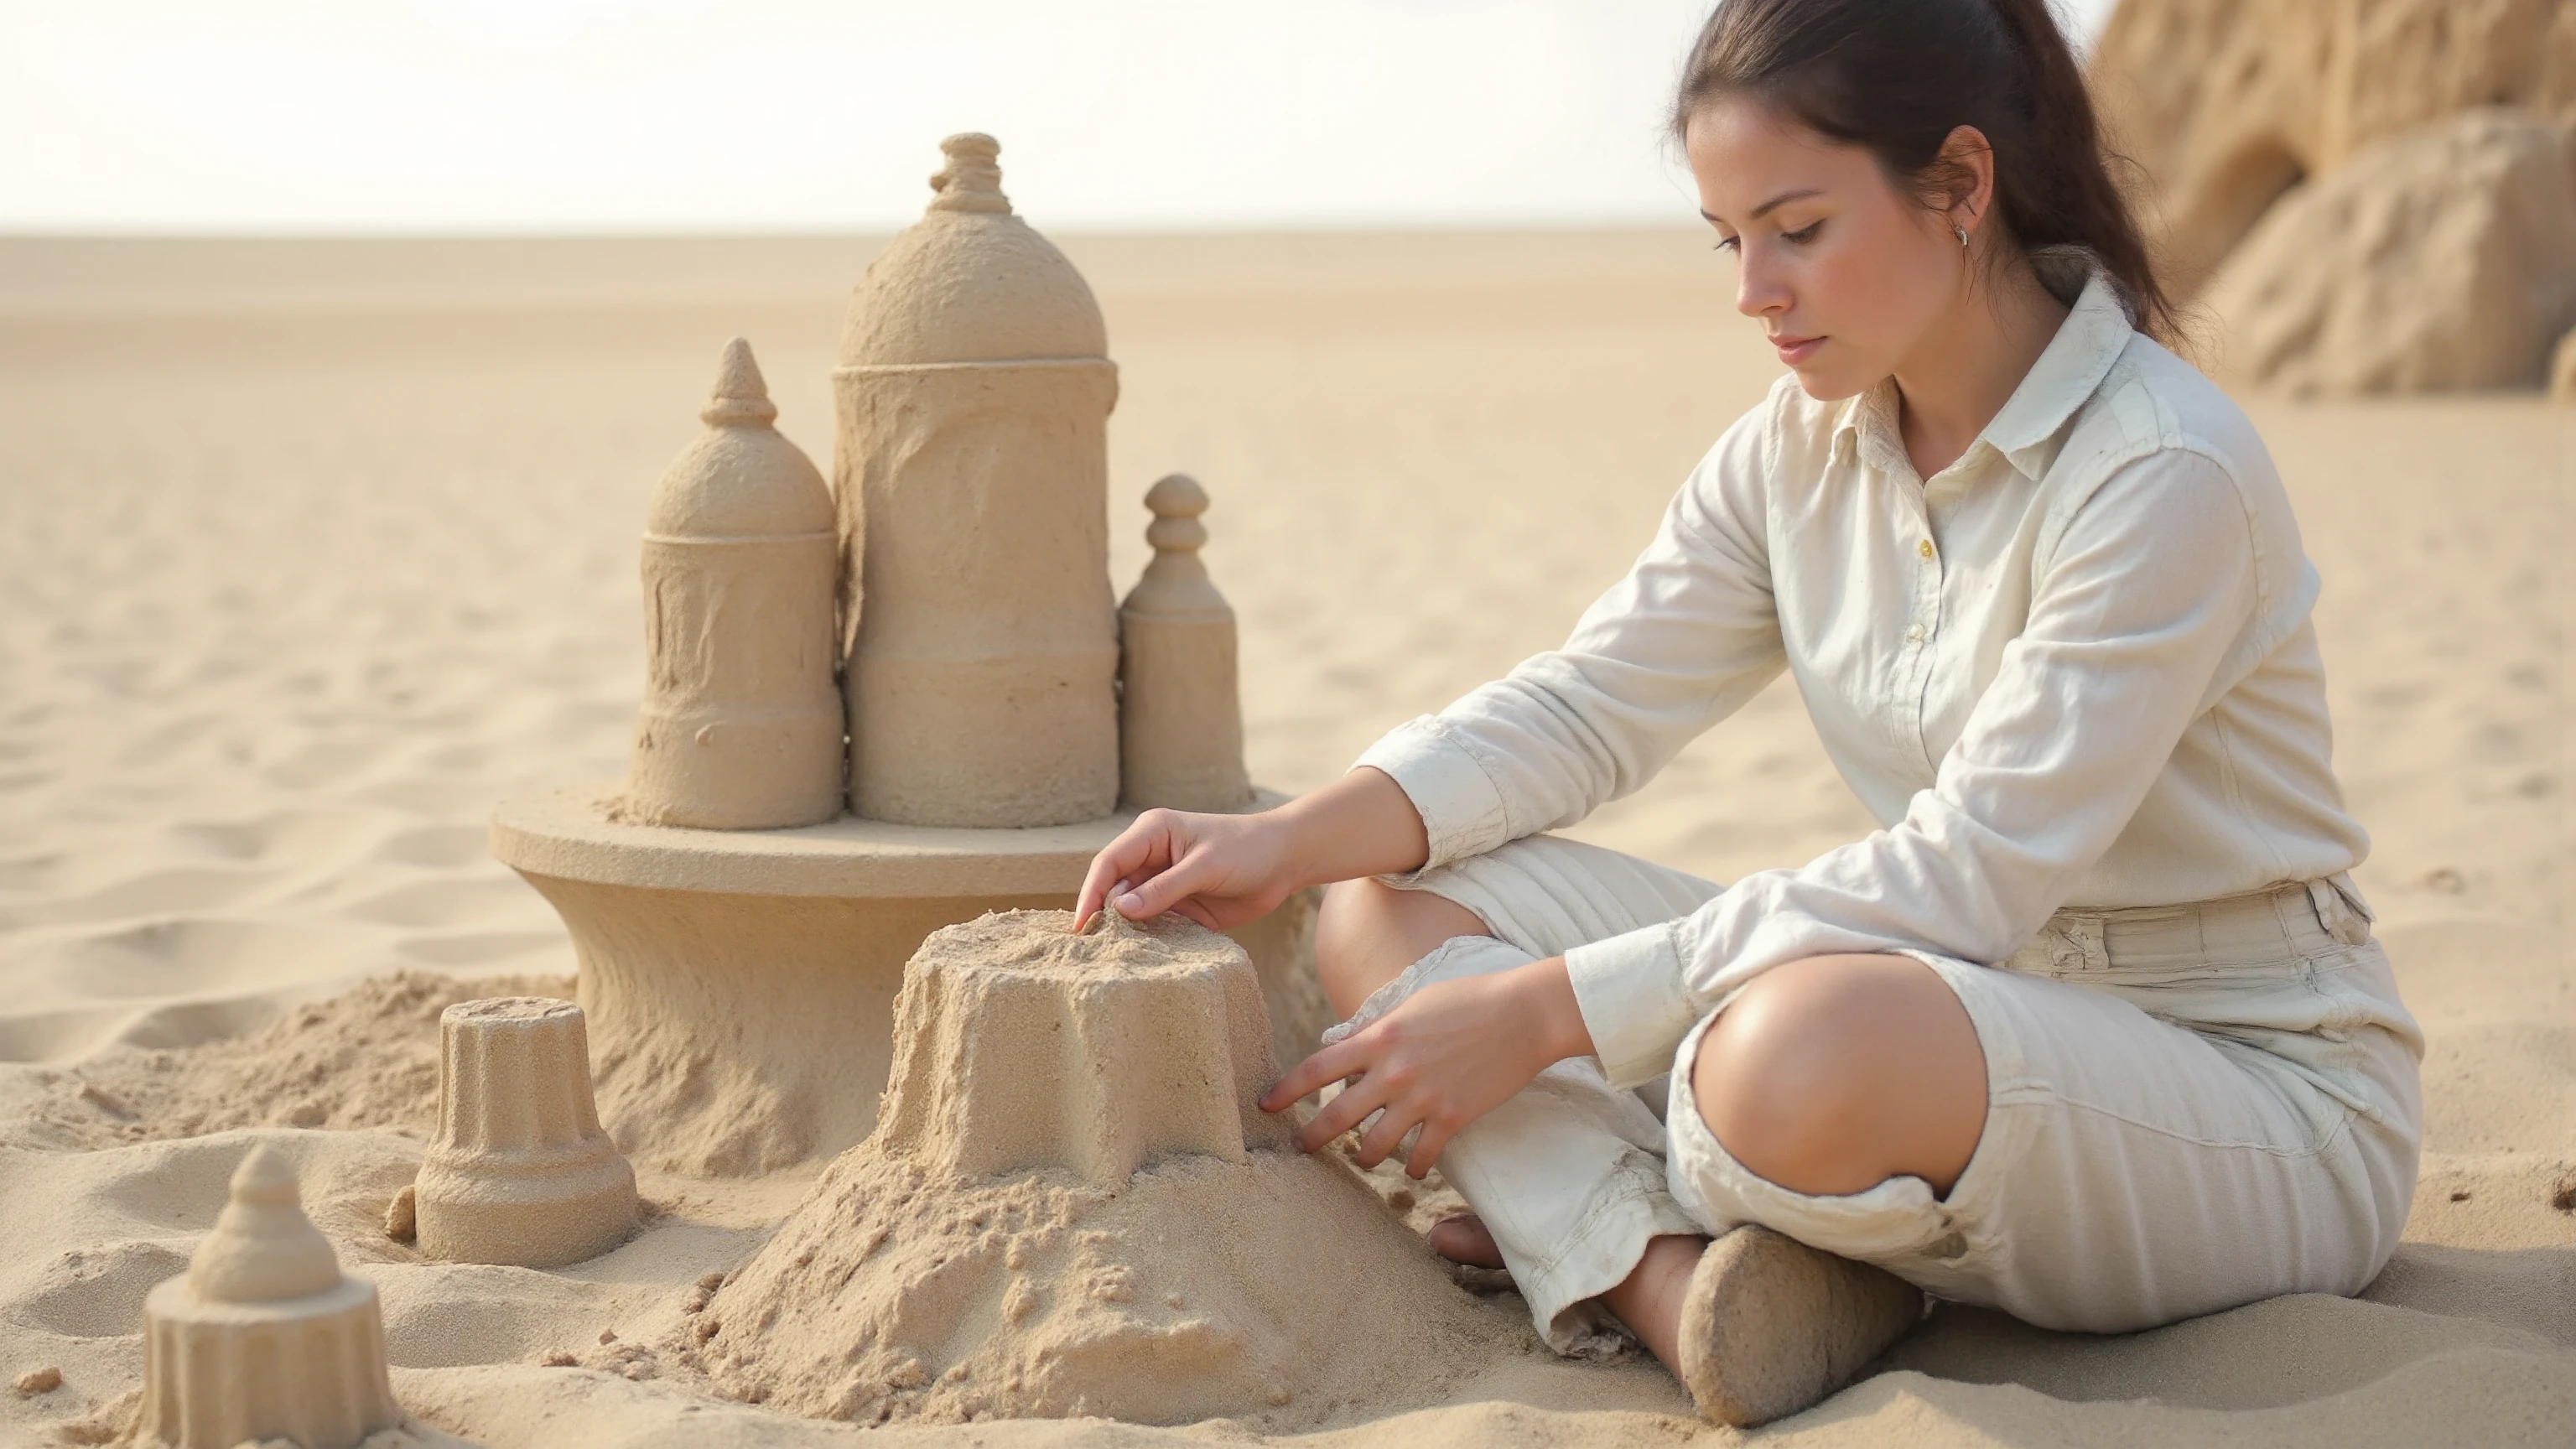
(1783, 199)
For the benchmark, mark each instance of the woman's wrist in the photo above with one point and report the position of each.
(1552, 1011)
(1361, 824)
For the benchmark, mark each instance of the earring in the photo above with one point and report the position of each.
(1962, 233)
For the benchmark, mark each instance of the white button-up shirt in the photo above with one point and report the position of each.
(2074, 668)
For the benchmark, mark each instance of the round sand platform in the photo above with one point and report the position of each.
(740, 984)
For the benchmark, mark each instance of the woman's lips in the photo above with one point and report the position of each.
(1794, 350)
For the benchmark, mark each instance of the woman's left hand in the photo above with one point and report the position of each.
(1445, 1056)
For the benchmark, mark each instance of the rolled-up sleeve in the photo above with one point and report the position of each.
(1681, 642)
(2143, 614)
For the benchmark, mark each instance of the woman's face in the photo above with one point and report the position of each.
(1847, 276)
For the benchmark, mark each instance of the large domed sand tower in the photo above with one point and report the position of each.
(739, 983)
(980, 636)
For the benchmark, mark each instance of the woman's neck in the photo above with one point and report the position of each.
(1967, 368)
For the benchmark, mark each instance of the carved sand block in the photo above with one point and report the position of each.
(1020, 1045)
(979, 632)
(1075, 1206)
(1180, 717)
(519, 1171)
(741, 727)
(263, 1337)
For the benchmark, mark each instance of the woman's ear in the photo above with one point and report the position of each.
(1966, 166)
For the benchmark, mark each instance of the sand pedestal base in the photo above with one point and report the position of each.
(740, 985)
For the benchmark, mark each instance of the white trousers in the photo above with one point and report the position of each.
(2188, 1108)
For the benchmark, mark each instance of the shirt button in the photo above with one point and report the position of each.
(1915, 634)
(1926, 549)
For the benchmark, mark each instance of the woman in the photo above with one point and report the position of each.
(2092, 1030)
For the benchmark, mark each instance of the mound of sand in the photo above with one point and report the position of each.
(2228, 105)
(2443, 258)
(368, 1058)
(1073, 1207)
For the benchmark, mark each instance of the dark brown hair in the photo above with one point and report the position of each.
(1897, 76)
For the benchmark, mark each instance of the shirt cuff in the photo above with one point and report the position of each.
(1629, 989)
(1461, 811)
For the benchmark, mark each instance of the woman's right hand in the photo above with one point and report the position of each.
(1218, 870)
(1224, 870)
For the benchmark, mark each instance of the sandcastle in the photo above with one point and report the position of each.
(742, 905)
(1074, 1206)
(263, 1337)
(519, 1171)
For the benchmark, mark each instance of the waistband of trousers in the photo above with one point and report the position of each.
(2279, 924)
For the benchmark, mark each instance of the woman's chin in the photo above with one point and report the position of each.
(1825, 382)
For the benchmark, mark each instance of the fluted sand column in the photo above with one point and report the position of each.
(263, 1338)
(520, 1171)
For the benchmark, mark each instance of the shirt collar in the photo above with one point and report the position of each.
(2073, 364)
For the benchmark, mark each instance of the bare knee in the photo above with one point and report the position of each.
(1367, 933)
(1832, 1074)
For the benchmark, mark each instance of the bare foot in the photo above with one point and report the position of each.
(1464, 1239)
(1769, 1326)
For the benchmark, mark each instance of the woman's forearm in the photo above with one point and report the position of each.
(1361, 824)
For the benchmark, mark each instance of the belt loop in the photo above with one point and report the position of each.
(2083, 935)
(2338, 911)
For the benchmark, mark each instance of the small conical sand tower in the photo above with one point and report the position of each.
(1075, 1206)
(519, 1171)
(741, 727)
(1180, 721)
(263, 1337)
(974, 392)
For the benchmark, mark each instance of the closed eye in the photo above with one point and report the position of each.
(1804, 234)
(1726, 243)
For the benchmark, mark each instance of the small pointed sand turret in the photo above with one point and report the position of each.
(520, 1171)
(263, 1337)
(741, 727)
(1180, 720)
(980, 633)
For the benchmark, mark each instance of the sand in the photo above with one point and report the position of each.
(315, 551)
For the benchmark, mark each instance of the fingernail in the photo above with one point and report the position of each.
(1130, 903)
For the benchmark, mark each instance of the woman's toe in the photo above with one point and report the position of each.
(1463, 1239)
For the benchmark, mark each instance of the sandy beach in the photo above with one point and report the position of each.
(315, 551)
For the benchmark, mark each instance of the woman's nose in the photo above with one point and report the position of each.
(1759, 290)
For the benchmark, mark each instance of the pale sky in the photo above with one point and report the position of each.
(371, 116)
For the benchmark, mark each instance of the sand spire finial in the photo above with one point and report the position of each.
(741, 396)
(1176, 503)
(972, 179)
(263, 1248)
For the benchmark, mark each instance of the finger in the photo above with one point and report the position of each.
(1122, 860)
(1342, 1059)
(1165, 889)
(1388, 1134)
(1199, 913)
(1427, 1149)
(1347, 1109)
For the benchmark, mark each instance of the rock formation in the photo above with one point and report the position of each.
(1073, 1206)
(519, 1171)
(979, 632)
(2227, 105)
(741, 727)
(2444, 257)
(1180, 717)
(263, 1338)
